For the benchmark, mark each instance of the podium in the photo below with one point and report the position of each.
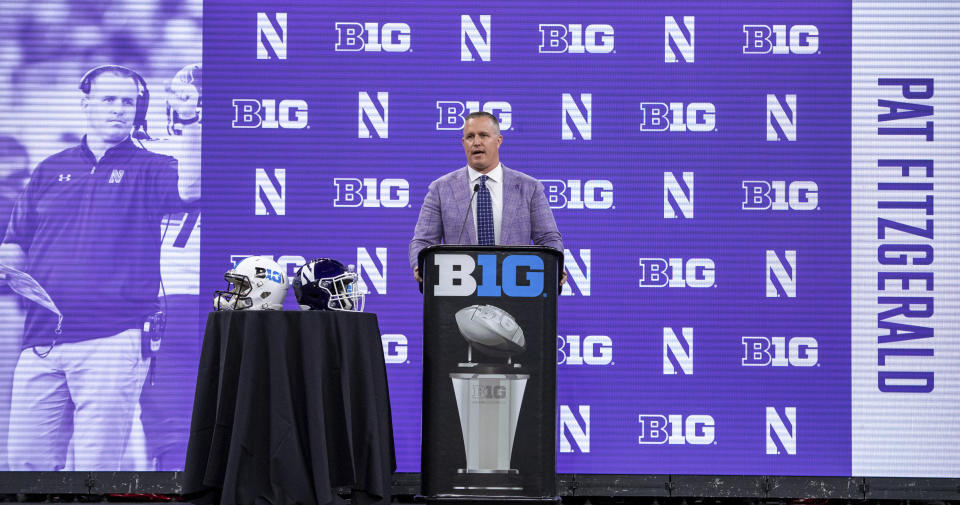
(489, 373)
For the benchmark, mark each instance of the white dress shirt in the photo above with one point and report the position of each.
(495, 186)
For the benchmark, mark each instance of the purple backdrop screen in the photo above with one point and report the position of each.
(754, 201)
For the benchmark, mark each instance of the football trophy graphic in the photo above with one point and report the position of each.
(489, 395)
(491, 330)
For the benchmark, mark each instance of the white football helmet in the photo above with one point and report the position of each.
(257, 283)
(185, 98)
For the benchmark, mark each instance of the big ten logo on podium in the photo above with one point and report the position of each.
(677, 429)
(780, 195)
(781, 39)
(677, 272)
(371, 37)
(520, 275)
(452, 113)
(270, 113)
(678, 117)
(576, 38)
(371, 193)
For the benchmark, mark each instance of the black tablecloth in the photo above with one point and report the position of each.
(289, 406)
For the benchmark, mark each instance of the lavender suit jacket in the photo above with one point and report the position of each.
(527, 217)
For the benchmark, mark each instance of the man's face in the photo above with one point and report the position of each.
(481, 143)
(110, 107)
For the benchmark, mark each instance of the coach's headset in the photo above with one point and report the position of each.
(143, 95)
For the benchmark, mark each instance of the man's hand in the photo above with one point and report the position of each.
(416, 274)
(563, 277)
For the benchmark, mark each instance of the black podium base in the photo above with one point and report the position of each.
(488, 500)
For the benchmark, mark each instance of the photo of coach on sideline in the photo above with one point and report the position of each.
(86, 227)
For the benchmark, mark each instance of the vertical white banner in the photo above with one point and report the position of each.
(905, 349)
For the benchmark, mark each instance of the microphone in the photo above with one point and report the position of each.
(476, 189)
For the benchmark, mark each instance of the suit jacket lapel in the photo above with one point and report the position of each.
(462, 193)
(511, 202)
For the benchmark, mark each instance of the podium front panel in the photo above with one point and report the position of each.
(489, 371)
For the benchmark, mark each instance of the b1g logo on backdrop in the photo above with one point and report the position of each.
(453, 113)
(394, 348)
(594, 350)
(371, 193)
(577, 194)
(781, 39)
(677, 429)
(576, 38)
(780, 195)
(371, 37)
(779, 351)
(677, 272)
(678, 117)
(269, 113)
(522, 275)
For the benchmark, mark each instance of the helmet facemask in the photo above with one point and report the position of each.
(235, 297)
(343, 292)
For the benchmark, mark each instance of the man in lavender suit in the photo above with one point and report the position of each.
(511, 205)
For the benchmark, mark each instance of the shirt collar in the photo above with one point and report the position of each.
(495, 175)
(125, 145)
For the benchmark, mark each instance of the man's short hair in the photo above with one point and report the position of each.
(479, 114)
